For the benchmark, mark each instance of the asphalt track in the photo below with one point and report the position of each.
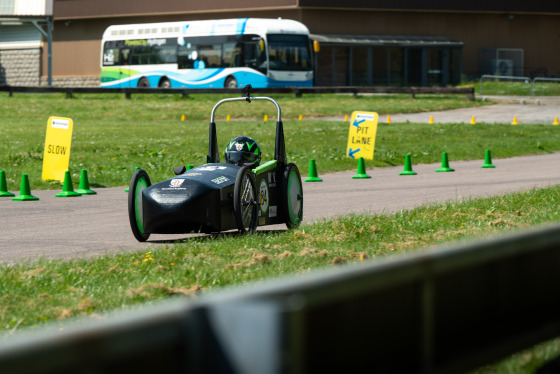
(55, 227)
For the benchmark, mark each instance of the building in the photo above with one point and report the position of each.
(363, 42)
(24, 25)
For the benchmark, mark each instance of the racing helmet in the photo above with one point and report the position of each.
(243, 150)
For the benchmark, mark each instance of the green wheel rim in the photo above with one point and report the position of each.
(141, 185)
(294, 203)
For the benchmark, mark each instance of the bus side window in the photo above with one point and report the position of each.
(115, 54)
(125, 53)
(188, 53)
(232, 55)
(237, 60)
(211, 55)
(111, 56)
(168, 55)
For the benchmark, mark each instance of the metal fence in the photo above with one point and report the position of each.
(503, 77)
(541, 79)
(526, 80)
(298, 91)
(448, 310)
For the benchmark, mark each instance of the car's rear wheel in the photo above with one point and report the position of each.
(139, 182)
(292, 196)
(245, 201)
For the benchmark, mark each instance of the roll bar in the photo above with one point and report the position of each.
(249, 100)
(279, 148)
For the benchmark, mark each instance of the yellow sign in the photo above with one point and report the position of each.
(57, 148)
(361, 136)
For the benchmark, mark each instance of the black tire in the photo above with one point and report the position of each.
(139, 182)
(245, 207)
(164, 83)
(231, 82)
(143, 83)
(292, 196)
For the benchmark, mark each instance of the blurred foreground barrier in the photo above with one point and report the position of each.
(443, 311)
(298, 91)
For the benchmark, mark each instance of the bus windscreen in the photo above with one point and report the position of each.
(289, 52)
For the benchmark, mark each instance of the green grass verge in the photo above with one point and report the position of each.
(113, 135)
(499, 87)
(50, 290)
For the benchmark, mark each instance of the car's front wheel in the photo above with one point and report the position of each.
(139, 182)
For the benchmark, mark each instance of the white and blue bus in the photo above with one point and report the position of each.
(229, 53)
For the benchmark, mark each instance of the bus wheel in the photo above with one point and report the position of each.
(164, 83)
(231, 82)
(143, 83)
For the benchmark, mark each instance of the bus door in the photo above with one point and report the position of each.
(254, 53)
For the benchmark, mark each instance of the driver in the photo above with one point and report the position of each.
(243, 151)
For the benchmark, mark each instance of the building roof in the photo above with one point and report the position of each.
(386, 40)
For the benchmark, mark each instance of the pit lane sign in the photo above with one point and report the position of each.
(57, 148)
(361, 136)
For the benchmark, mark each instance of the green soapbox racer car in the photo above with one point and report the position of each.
(219, 196)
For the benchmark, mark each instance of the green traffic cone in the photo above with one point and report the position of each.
(444, 164)
(190, 166)
(84, 184)
(487, 160)
(361, 174)
(313, 172)
(407, 166)
(136, 168)
(25, 191)
(67, 188)
(3, 185)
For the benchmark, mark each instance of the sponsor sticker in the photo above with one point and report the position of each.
(60, 123)
(272, 212)
(220, 180)
(176, 183)
(263, 196)
(211, 168)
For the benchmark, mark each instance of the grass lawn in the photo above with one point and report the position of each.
(514, 87)
(113, 135)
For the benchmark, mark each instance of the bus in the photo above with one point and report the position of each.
(228, 53)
